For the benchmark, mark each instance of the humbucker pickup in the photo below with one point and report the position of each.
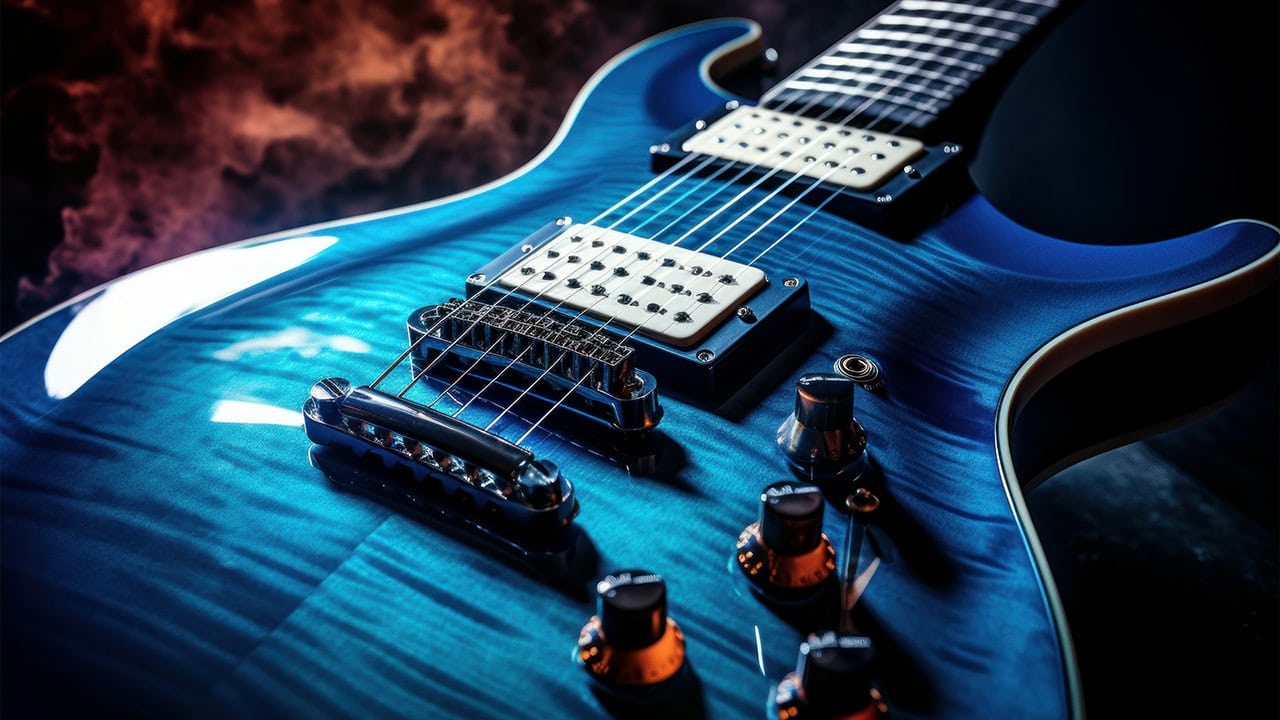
(897, 182)
(459, 463)
(666, 292)
(698, 322)
(558, 361)
(794, 144)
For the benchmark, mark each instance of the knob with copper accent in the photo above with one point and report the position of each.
(784, 553)
(631, 642)
(821, 439)
(834, 679)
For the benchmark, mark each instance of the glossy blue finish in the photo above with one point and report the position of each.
(167, 550)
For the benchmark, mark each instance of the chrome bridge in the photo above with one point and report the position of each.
(537, 356)
(499, 483)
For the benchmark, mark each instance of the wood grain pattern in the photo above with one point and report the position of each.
(161, 562)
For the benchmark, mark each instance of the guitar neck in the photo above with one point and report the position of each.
(910, 65)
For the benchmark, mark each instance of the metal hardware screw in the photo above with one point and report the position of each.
(476, 278)
(791, 282)
(862, 501)
(705, 356)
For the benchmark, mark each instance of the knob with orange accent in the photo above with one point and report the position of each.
(784, 553)
(631, 642)
(833, 680)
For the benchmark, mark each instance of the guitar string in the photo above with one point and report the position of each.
(512, 362)
(652, 181)
(707, 159)
(954, 83)
(603, 253)
(563, 355)
(907, 121)
(559, 359)
(891, 105)
(816, 98)
(422, 372)
(582, 270)
(870, 102)
(888, 110)
(877, 97)
(867, 104)
(931, 104)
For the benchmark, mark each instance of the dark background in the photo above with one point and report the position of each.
(132, 134)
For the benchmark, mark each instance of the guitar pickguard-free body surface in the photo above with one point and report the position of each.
(169, 551)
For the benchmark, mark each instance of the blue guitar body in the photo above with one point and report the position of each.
(168, 549)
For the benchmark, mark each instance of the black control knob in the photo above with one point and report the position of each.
(821, 439)
(791, 517)
(631, 642)
(834, 678)
(784, 553)
(632, 607)
(824, 402)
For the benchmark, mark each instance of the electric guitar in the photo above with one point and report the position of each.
(708, 411)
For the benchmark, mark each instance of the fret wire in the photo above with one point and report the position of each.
(999, 22)
(914, 88)
(944, 25)
(1040, 11)
(887, 98)
(894, 51)
(921, 38)
(966, 9)
(886, 66)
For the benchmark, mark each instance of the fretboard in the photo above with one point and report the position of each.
(904, 68)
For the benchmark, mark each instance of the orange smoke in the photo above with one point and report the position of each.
(208, 122)
(140, 130)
